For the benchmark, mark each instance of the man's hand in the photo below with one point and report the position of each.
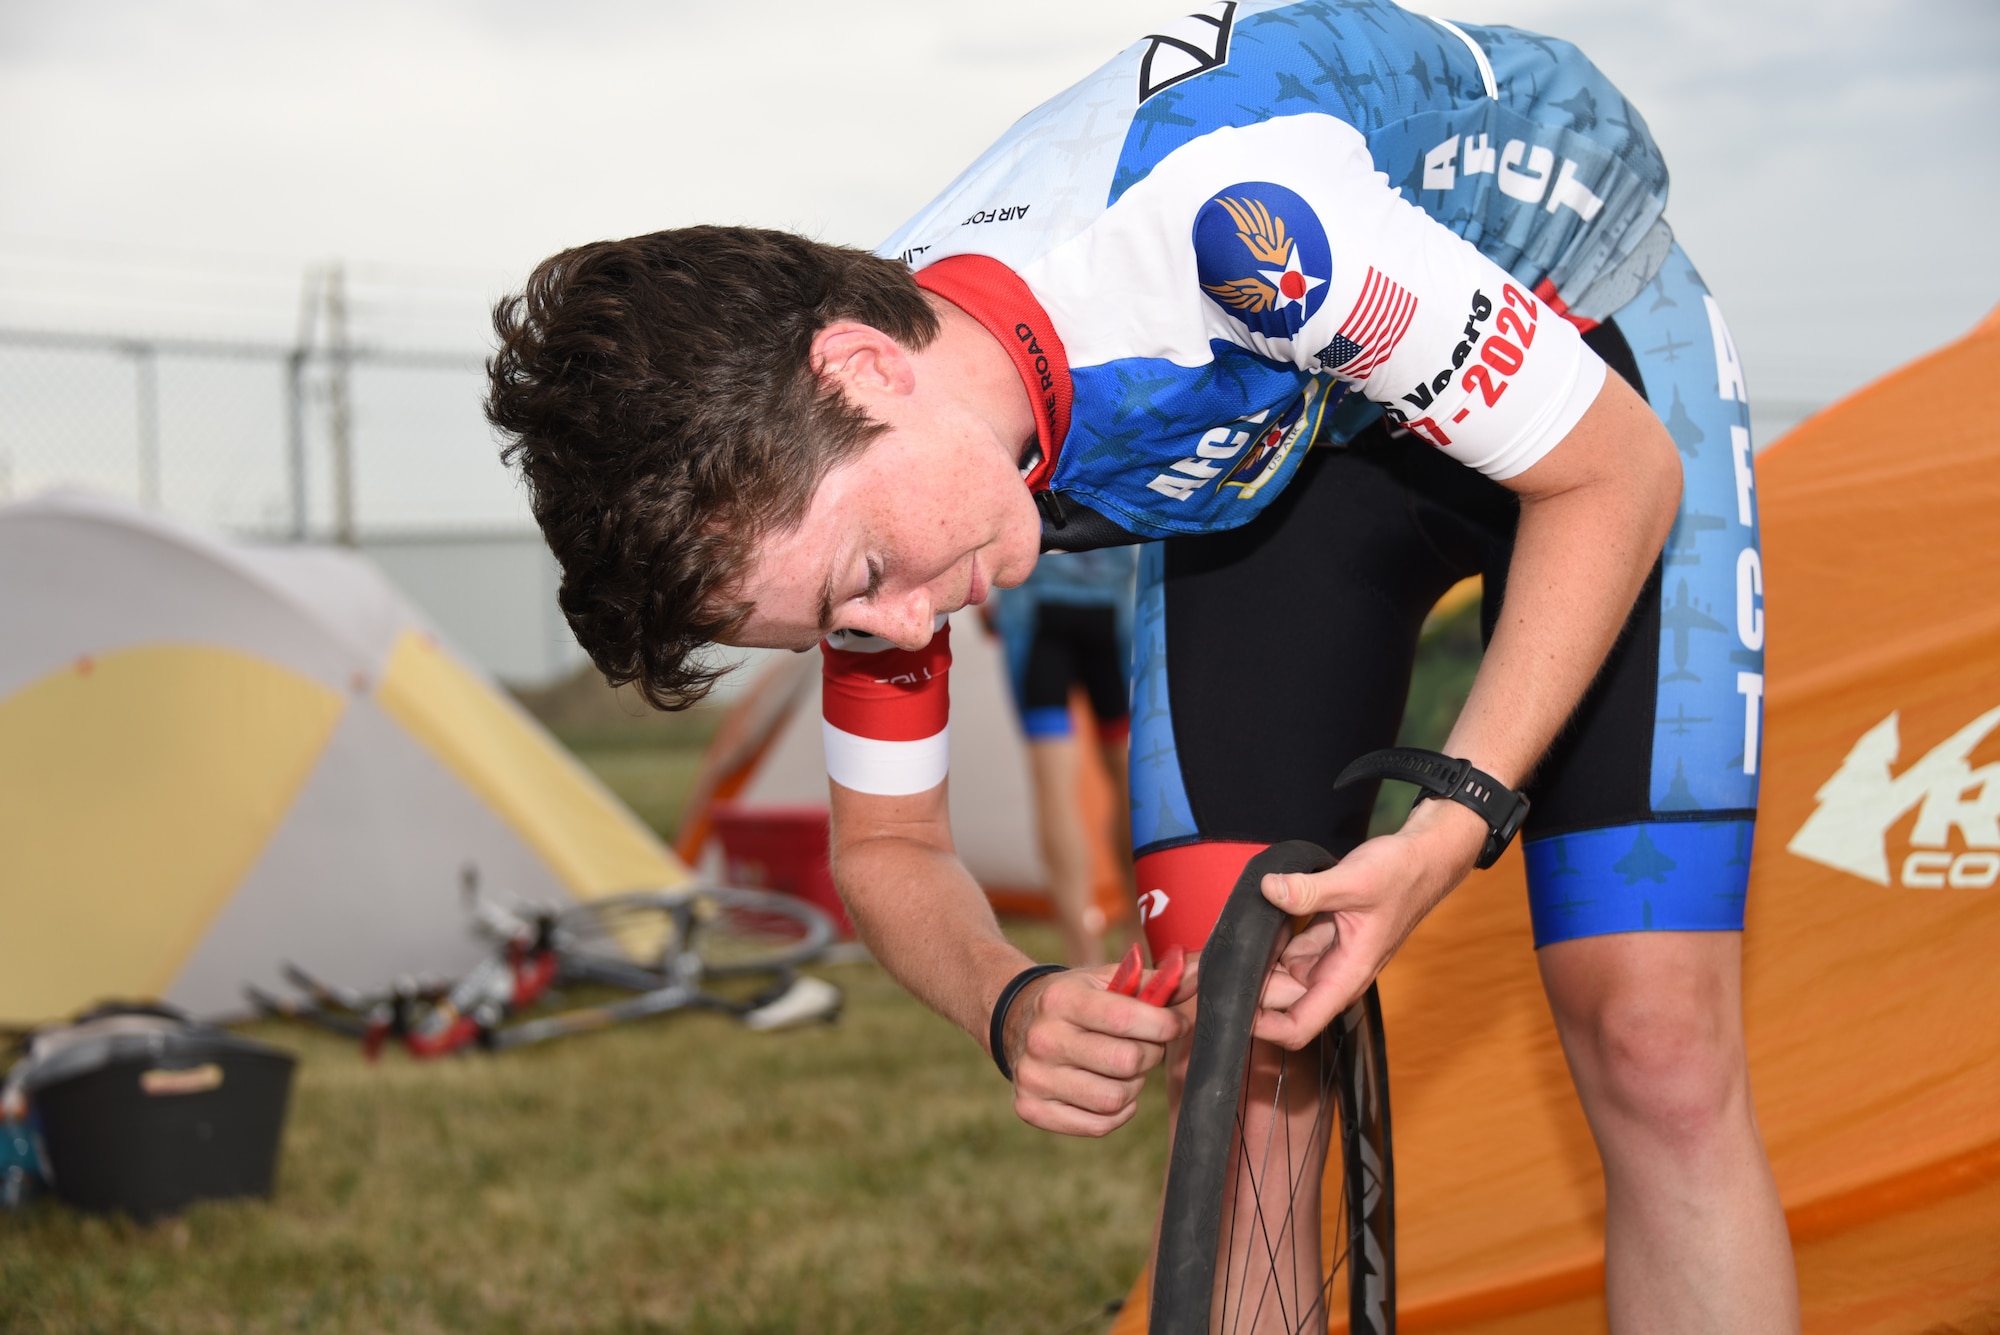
(1080, 1051)
(1362, 909)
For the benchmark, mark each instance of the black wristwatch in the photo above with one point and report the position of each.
(1499, 806)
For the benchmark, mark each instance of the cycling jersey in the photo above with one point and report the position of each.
(1262, 226)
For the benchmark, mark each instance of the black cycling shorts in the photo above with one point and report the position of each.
(1067, 645)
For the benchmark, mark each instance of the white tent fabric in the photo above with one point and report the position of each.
(226, 757)
(992, 813)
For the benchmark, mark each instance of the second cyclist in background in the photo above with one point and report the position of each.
(1070, 625)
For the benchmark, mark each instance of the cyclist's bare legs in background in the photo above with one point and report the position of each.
(1695, 1239)
(1052, 763)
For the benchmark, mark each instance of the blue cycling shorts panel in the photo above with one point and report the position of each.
(1686, 867)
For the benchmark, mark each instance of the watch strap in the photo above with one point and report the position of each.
(1502, 808)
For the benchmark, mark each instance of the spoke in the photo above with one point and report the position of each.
(1239, 1156)
(1257, 1194)
(1271, 1285)
(1321, 1112)
(1258, 1222)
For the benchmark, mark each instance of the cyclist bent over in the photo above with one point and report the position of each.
(1322, 298)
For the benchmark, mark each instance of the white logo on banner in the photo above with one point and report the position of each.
(1850, 828)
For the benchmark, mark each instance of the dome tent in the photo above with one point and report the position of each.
(215, 757)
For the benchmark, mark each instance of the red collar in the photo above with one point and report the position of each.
(994, 295)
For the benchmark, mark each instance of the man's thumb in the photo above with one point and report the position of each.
(1287, 890)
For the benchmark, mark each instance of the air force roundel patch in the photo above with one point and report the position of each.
(1263, 257)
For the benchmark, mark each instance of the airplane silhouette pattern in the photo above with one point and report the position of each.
(1647, 876)
(1680, 618)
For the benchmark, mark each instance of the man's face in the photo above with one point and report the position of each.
(928, 518)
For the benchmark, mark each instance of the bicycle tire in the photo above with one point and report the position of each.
(1348, 1068)
(646, 939)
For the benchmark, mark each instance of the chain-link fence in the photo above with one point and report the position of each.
(384, 449)
(253, 437)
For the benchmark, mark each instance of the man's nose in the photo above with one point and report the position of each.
(904, 622)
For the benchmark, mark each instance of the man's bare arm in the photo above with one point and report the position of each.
(1079, 1052)
(1595, 512)
(916, 905)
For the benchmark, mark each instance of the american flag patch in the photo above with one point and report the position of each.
(1381, 316)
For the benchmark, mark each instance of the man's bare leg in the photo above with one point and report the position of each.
(1066, 848)
(1116, 753)
(1695, 1239)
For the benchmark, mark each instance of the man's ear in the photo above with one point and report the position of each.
(861, 359)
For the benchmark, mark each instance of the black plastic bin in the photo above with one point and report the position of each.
(146, 1112)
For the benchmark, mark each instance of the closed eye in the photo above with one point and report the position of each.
(826, 604)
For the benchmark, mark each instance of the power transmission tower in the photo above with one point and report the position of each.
(340, 408)
(295, 401)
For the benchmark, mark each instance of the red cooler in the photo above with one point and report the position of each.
(783, 849)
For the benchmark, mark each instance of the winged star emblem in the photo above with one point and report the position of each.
(1263, 235)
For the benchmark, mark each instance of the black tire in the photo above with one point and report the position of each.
(1345, 1071)
(649, 939)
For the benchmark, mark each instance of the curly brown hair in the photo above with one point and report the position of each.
(658, 398)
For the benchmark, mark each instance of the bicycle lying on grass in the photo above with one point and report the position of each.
(667, 950)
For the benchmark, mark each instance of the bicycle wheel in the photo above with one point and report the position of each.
(1240, 1236)
(648, 939)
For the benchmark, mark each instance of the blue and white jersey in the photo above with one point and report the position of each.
(1198, 252)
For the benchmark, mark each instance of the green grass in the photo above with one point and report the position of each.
(674, 1175)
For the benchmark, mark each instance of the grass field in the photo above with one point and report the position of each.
(678, 1175)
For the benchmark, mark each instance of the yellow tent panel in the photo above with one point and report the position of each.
(217, 758)
(593, 844)
(135, 791)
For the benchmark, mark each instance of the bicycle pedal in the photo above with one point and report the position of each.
(806, 1000)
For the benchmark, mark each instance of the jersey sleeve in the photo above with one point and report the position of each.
(1282, 238)
(1419, 321)
(885, 712)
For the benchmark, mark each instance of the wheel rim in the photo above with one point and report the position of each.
(1274, 1269)
(1241, 1247)
(684, 935)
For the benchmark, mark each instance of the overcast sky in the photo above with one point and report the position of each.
(172, 165)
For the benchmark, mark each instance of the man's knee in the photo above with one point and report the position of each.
(1654, 1029)
(1673, 1060)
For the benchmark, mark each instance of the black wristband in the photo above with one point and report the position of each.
(997, 1031)
(1494, 802)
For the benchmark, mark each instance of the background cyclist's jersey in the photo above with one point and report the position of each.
(1260, 216)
